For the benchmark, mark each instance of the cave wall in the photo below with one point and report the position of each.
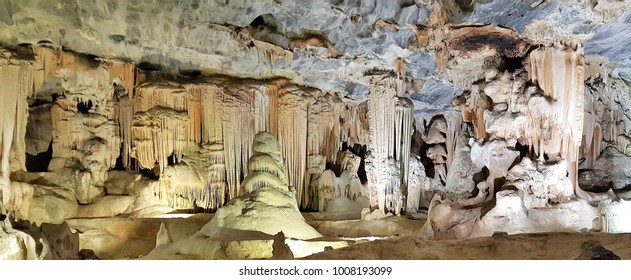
(505, 126)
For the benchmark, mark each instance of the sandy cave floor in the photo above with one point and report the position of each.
(394, 238)
(537, 246)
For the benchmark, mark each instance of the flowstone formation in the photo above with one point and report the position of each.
(481, 117)
(247, 227)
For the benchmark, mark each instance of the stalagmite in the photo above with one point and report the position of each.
(266, 166)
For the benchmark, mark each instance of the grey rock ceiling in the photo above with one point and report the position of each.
(198, 35)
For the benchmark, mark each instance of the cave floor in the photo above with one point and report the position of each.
(387, 238)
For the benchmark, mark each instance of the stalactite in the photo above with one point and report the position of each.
(454, 124)
(292, 136)
(194, 109)
(272, 96)
(477, 103)
(216, 176)
(238, 133)
(122, 73)
(17, 86)
(271, 53)
(166, 95)
(261, 110)
(22, 85)
(401, 68)
(559, 72)
(381, 119)
(184, 187)
(157, 134)
(46, 63)
(212, 111)
(125, 117)
(18, 199)
(592, 135)
(63, 127)
(404, 111)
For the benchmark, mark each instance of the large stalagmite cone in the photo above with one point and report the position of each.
(245, 227)
(266, 165)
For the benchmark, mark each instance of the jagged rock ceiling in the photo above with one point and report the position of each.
(332, 42)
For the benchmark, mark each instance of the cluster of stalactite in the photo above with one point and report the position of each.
(219, 119)
(84, 116)
(391, 125)
(17, 86)
(558, 70)
(521, 145)
(605, 122)
(101, 112)
(549, 115)
(435, 148)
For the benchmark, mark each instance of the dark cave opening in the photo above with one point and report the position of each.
(119, 164)
(510, 64)
(39, 162)
(481, 176)
(358, 150)
(84, 107)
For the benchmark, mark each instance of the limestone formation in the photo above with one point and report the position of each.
(471, 117)
(268, 206)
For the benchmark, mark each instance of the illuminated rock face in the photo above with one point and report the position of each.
(515, 122)
(267, 207)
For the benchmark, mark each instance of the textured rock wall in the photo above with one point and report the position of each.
(491, 116)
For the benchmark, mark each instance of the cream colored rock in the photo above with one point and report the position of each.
(368, 215)
(437, 153)
(18, 245)
(447, 221)
(434, 136)
(541, 184)
(418, 186)
(349, 161)
(614, 216)
(52, 205)
(316, 164)
(107, 206)
(121, 182)
(163, 236)
(343, 204)
(509, 215)
(459, 181)
(242, 229)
